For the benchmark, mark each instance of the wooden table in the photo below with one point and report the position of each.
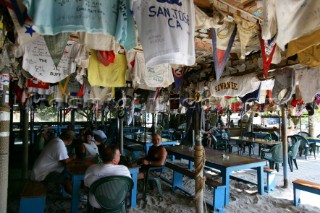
(77, 170)
(261, 135)
(242, 139)
(215, 160)
(147, 145)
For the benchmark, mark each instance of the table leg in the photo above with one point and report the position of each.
(75, 193)
(226, 182)
(260, 180)
(134, 176)
(177, 180)
(190, 165)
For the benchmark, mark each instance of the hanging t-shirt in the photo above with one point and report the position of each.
(166, 31)
(57, 94)
(247, 32)
(288, 18)
(130, 64)
(113, 75)
(203, 21)
(309, 83)
(234, 86)
(95, 16)
(98, 41)
(284, 81)
(25, 32)
(308, 49)
(156, 76)
(38, 62)
(100, 93)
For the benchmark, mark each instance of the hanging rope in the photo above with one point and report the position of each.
(199, 164)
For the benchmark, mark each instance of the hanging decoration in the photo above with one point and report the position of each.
(221, 45)
(267, 59)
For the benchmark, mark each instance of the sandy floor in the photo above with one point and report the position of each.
(244, 197)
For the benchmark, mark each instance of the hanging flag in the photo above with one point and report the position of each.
(33, 82)
(56, 46)
(81, 91)
(156, 95)
(63, 85)
(270, 45)
(66, 111)
(252, 96)
(177, 75)
(222, 40)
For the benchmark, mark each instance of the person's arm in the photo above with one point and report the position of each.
(161, 155)
(68, 160)
(82, 151)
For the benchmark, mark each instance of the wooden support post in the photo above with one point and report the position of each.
(4, 151)
(102, 117)
(72, 117)
(118, 128)
(198, 163)
(311, 125)
(33, 133)
(25, 142)
(284, 145)
(121, 135)
(153, 123)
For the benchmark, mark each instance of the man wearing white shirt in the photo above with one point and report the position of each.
(52, 160)
(110, 167)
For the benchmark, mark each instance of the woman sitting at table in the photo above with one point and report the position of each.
(88, 148)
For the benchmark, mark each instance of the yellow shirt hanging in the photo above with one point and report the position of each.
(113, 75)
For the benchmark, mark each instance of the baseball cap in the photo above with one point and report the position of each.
(99, 135)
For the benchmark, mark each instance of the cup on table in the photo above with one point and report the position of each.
(225, 157)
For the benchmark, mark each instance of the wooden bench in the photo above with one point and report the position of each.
(305, 186)
(271, 179)
(33, 197)
(219, 190)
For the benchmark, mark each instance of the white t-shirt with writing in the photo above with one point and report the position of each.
(290, 19)
(234, 85)
(49, 160)
(166, 31)
(146, 77)
(38, 61)
(98, 171)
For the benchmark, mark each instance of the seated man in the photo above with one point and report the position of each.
(88, 149)
(50, 164)
(110, 167)
(208, 138)
(157, 154)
